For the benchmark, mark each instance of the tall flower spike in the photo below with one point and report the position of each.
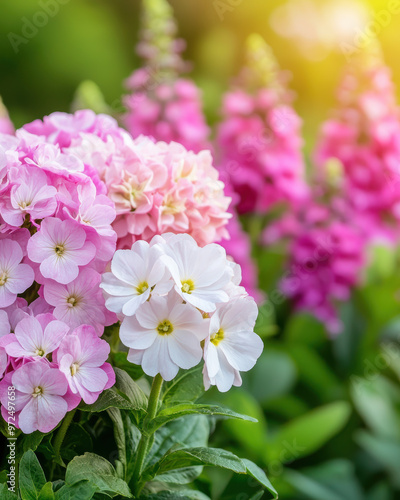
(363, 135)
(163, 105)
(259, 137)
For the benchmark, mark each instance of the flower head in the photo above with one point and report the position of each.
(165, 334)
(232, 346)
(135, 274)
(60, 247)
(39, 401)
(82, 358)
(36, 337)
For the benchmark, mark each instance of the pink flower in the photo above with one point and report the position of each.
(60, 247)
(15, 277)
(82, 358)
(80, 302)
(39, 401)
(36, 337)
(30, 195)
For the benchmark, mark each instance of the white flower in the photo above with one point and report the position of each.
(232, 345)
(199, 274)
(135, 274)
(164, 335)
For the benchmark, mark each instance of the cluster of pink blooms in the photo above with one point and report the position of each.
(259, 139)
(179, 302)
(364, 135)
(168, 110)
(327, 255)
(56, 239)
(155, 187)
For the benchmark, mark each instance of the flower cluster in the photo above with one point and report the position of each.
(167, 111)
(179, 302)
(156, 187)
(364, 136)
(56, 239)
(326, 257)
(259, 137)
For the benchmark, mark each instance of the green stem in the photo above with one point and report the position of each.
(59, 439)
(145, 439)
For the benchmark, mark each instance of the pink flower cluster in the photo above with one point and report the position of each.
(56, 239)
(260, 150)
(326, 257)
(156, 187)
(167, 111)
(364, 135)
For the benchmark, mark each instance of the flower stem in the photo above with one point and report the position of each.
(145, 439)
(59, 439)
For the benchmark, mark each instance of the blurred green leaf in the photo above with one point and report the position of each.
(273, 375)
(374, 400)
(308, 433)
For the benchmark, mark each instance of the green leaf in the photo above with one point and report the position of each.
(189, 431)
(168, 414)
(385, 451)
(32, 441)
(127, 437)
(5, 494)
(187, 386)
(259, 475)
(31, 476)
(337, 477)
(375, 401)
(77, 442)
(130, 388)
(189, 457)
(309, 487)
(308, 433)
(82, 490)
(46, 493)
(107, 399)
(98, 471)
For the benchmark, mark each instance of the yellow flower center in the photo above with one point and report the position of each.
(39, 352)
(37, 391)
(165, 328)
(217, 337)
(3, 278)
(72, 301)
(59, 249)
(187, 286)
(142, 287)
(74, 368)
